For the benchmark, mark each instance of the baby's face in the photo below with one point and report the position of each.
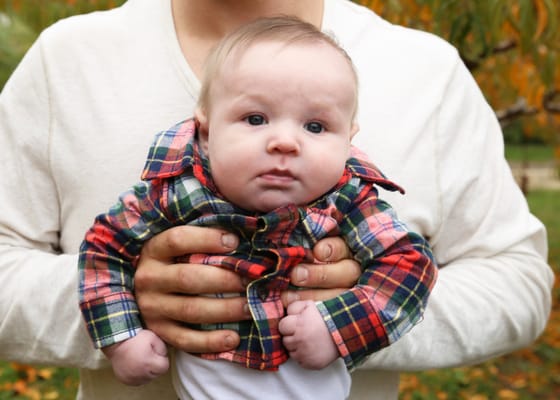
(279, 124)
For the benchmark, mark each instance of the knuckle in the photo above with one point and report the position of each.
(318, 275)
(190, 310)
(213, 341)
(182, 340)
(144, 304)
(173, 239)
(141, 278)
(183, 279)
(323, 276)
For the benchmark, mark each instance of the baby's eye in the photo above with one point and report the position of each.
(314, 127)
(255, 119)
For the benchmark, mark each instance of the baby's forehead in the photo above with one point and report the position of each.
(269, 51)
(311, 75)
(280, 34)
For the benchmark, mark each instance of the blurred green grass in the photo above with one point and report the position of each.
(530, 152)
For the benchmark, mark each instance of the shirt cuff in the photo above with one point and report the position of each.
(111, 319)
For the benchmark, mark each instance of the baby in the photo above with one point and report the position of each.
(267, 156)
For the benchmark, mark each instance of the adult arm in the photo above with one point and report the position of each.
(493, 293)
(38, 318)
(40, 322)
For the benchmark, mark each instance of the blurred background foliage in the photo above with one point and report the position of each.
(511, 47)
(21, 21)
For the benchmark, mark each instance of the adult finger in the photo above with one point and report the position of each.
(193, 341)
(340, 274)
(187, 239)
(185, 278)
(192, 309)
(331, 249)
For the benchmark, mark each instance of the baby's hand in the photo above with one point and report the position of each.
(140, 359)
(306, 337)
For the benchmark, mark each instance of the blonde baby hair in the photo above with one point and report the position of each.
(285, 29)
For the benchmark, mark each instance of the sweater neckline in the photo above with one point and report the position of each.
(187, 76)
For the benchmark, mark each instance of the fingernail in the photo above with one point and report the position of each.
(229, 240)
(301, 274)
(229, 342)
(246, 310)
(327, 252)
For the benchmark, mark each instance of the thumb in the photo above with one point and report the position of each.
(159, 366)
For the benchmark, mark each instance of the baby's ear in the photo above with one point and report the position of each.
(202, 123)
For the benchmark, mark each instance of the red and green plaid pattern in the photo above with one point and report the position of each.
(389, 299)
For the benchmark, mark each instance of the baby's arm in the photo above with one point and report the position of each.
(391, 295)
(106, 291)
(138, 360)
(306, 336)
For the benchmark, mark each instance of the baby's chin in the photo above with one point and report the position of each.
(268, 203)
(268, 207)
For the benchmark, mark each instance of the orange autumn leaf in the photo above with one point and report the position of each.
(45, 373)
(426, 15)
(478, 397)
(375, 5)
(506, 394)
(31, 373)
(52, 395)
(20, 386)
(542, 18)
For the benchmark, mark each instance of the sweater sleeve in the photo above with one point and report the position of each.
(38, 318)
(493, 294)
(108, 257)
(398, 273)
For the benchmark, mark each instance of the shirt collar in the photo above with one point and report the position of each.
(171, 152)
(359, 165)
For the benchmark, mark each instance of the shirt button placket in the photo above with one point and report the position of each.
(262, 292)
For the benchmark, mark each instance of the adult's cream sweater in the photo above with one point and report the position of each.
(79, 113)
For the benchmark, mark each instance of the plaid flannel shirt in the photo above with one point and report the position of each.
(387, 301)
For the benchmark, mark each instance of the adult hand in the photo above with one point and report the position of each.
(334, 272)
(163, 286)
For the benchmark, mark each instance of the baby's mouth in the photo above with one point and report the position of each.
(278, 176)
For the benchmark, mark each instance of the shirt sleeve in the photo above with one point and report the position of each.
(398, 272)
(107, 262)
